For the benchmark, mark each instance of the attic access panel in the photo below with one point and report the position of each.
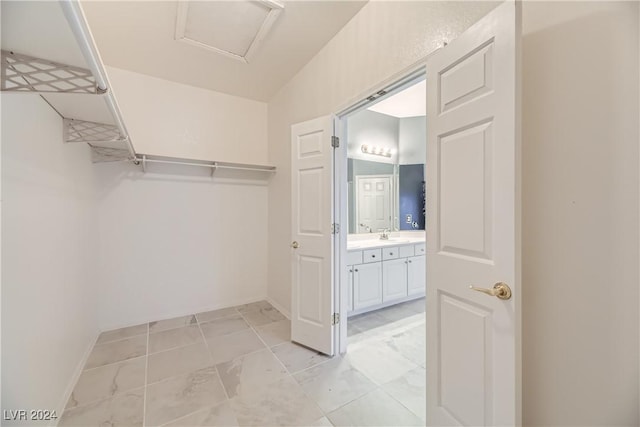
(231, 28)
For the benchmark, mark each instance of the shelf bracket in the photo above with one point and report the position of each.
(23, 73)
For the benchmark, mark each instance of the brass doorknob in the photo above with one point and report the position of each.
(500, 290)
(295, 245)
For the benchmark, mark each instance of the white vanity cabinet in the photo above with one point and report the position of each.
(379, 277)
(394, 279)
(416, 276)
(367, 285)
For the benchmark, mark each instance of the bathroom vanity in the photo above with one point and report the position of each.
(384, 272)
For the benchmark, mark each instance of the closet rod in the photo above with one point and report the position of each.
(176, 162)
(78, 23)
(241, 168)
(143, 159)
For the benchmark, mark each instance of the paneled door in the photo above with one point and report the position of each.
(473, 238)
(311, 237)
(373, 203)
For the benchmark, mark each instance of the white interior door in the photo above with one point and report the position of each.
(373, 203)
(311, 218)
(473, 348)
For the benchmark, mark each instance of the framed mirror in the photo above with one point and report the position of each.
(386, 150)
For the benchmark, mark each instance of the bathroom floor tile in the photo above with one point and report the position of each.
(396, 312)
(411, 344)
(282, 403)
(322, 422)
(176, 322)
(106, 381)
(275, 333)
(178, 337)
(376, 408)
(178, 361)
(125, 409)
(417, 305)
(122, 333)
(249, 372)
(178, 396)
(227, 347)
(216, 314)
(117, 351)
(227, 325)
(260, 305)
(369, 321)
(217, 415)
(262, 316)
(296, 357)
(410, 390)
(352, 328)
(378, 361)
(334, 383)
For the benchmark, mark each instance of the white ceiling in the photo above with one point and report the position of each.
(411, 102)
(140, 36)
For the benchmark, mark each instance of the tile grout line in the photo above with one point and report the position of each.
(114, 363)
(206, 344)
(311, 399)
(100, 399)
(98, 344)
(215, 365)
(146, 375)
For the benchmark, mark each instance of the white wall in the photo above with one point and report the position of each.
(49, 305)
(175, 120)
(374, 129)
(407, 137)
(580, 213)
(177, 242)
(412, 140)
(380, 41)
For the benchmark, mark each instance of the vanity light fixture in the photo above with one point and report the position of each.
(377, 151)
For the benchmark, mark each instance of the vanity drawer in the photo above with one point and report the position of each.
(354, 257)
(420, 249)
(406, 251)
(372, 255)
(390, 253)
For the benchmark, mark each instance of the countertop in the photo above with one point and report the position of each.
(376, 242)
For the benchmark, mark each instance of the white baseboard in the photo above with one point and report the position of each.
(74, 378)
(169, 314)
(280, 308)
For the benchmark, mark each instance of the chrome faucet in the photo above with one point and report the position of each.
(385, 234)
(366, 227)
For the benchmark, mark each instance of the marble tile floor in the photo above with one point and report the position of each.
(237, 367)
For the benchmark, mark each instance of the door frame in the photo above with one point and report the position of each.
(389, 87)
(391, 195)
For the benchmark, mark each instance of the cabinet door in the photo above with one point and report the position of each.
(417, 275)
(367, 285)
(394, 279)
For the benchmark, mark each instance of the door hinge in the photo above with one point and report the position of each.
(335, 142)
(335, 318)
(335, 228)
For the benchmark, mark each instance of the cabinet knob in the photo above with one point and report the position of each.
(373, 256)
(409, 260)
(356, 270)
(390, 253)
